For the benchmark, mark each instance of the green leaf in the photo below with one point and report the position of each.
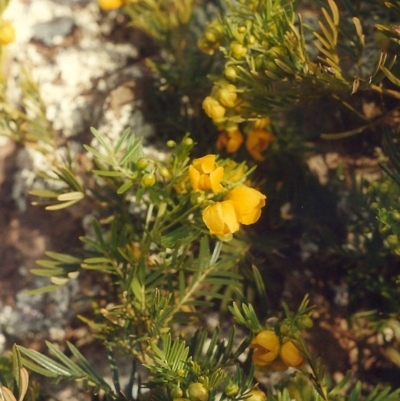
(124, 187)
(70, 196)
(75, 370)
(93, 375)
(60, 206)
(390, 76)
(108, 173)
(43, 193)
(122, 139)
(68, 177)
(101, 140)
(359, 30)
(45, 362)
(41, 290)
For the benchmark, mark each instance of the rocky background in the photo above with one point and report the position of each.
(89, 67)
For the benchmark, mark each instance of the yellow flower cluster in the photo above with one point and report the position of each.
(279, 355)
(241, 205)
(222, 97)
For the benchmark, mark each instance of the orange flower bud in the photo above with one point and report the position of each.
(266, 348)
(213, 108)
(220, 218)
(290, 355)
(231, 141)
(257, 141)
(205, 174)
(247, 202)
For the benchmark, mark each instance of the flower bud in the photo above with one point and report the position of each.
(257, 395)
(227, 95)
(213, 108)
(176, 392)
(305, 322)
(148, 180)
(197, 392)
(392, 239)
(396, 215)
(231, 389)
(142, 163)
(238, 50)
(188, 141)
(290, 354)
(164, 172)
(230, 73)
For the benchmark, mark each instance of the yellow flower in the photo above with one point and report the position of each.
(213, 108)
(266, 347)
(290, 355)
(231, 141)
(108, 5)
(257, 141)
(248, 203)
(205, 174)
(227, 95)
(256, 395)
(220, 218)
(7, 33)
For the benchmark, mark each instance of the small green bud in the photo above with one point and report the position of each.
(171, 143)
(180, 372)
(231, 389)
(251, 40)
(230, 73)
(396, 250)
(196, 198)
(176, 392)
(383, 229)
(164, 172)
(188, 142)
(396, 215)
(392, 239)
(142, 163)
(284, 328)
(374, 205)
(148, 180)
(305, 322)
(384, 188)
(197, 392)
